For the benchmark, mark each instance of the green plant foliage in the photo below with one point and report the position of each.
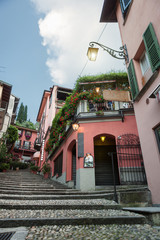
(120, 77)
(3, 151)
(46, 168)
(16, 164)
(4, 166)
(25, 113)
(27, 124)
(12, 134)
(34, 168)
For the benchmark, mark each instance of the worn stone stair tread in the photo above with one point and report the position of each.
(41, 207)
(72, 221)
(43, 197)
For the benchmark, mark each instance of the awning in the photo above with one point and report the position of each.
(36, 155)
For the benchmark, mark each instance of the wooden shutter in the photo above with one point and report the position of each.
(133, 80)
(152, 47)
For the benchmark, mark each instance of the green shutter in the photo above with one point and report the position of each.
(152, 47)
(133, 80)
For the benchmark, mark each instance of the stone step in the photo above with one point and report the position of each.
(59, 197)
(35, 188)
(62, 204)
(59, 207)
(71, 221)
(67, 217)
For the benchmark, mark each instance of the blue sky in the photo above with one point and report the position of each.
(45, 42)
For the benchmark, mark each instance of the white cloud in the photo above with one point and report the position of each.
(67, 29)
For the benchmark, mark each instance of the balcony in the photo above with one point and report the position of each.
(107, 109)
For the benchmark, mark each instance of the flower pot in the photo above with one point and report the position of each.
(4, 170)
(34, 172)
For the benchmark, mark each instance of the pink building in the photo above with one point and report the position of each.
(24, 146)
(105, 130)
(139, 28)
(52, 101)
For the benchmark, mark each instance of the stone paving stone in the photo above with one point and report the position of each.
(95, 232)
(13, 214)
(58, 202)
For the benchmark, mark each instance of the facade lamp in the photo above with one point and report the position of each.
(93, 51)
(103, 138)
(97, 89)
(75, 126)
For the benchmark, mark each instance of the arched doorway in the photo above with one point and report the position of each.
(71, 163)
(103, 162)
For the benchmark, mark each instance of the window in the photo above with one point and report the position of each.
(144, 63)
(20, 133)
(26, 145)
(18, 144)
(157, 133)
(152, 47)
(124, 6)
(58, 165)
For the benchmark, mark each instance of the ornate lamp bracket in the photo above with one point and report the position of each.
(122, 54)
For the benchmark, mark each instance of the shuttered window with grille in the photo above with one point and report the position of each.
(152, 47)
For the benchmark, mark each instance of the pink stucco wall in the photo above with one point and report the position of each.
(91, 130)
(141, 13)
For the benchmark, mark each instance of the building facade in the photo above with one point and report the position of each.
(139, 28)
(52, 101)
(8, 107)
(24, 146)
(104, 142)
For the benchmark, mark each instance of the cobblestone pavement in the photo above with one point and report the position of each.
(62, 213)
(94, 232)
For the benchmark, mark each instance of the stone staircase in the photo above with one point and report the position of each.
(27, 199)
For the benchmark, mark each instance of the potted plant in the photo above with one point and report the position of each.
(4, 167)
(34, 169)
(99, 113)
(46, 169)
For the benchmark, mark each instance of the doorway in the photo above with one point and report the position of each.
(103, 162)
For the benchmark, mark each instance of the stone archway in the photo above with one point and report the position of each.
(103, 162)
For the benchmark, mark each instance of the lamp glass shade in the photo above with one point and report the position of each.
(75, 126)
(97, 89)
(92, 53)
(103, 138)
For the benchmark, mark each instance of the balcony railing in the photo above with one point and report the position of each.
(107, 106)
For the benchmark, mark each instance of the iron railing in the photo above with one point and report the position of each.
(131, 165)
